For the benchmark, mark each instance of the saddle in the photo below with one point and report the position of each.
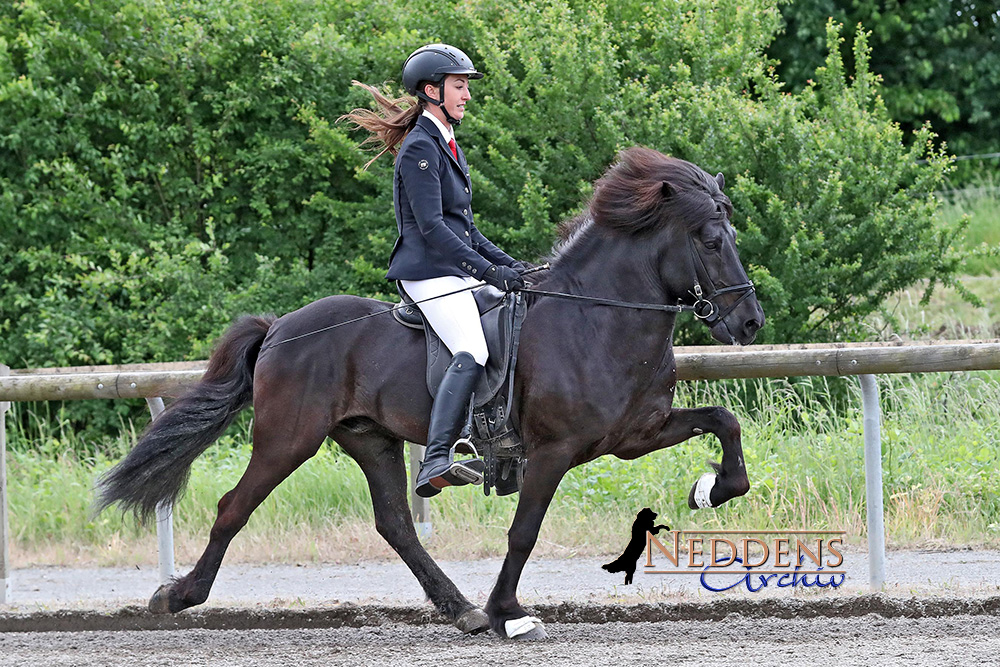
(490, 428)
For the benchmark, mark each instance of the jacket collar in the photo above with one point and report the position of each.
(441, 127)
(431, 128)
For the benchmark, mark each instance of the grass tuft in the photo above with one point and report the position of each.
(980, 201)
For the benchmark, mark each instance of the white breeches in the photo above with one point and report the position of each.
(454, 318)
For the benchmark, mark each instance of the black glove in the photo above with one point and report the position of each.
(503, 278)
(518, 266)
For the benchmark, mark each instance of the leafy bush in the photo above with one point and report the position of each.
(939, 61)
(165, 166)
(835, 212)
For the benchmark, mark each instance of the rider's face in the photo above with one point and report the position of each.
(456, 94)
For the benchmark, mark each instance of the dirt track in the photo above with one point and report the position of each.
(939, 608)
(870, 640)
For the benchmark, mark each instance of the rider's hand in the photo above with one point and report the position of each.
(504, 278)
(518, 266)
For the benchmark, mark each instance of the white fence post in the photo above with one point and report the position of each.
(873, 481)
(4, 526)
(164, 517)
(421, 506)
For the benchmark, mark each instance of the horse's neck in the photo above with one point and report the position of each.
(607, 266)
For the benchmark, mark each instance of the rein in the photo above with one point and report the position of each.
(703, 308)
(666, 308)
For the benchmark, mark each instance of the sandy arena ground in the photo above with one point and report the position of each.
(937, 608)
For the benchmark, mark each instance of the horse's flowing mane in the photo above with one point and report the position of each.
(645, 189)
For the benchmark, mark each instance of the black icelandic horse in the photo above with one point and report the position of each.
(591, 380)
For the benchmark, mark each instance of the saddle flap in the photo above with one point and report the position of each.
(498, 311)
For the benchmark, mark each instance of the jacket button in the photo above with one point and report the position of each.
(473, 270)
(466, 232)
(466, 190)
(465, 211)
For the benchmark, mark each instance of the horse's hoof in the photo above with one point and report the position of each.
(160, 602)
(473, 622)
(526, 628)
(700, 496)
(691, 503)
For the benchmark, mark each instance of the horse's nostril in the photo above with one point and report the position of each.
(751, 326)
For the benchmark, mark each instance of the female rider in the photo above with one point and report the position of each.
(439, 250)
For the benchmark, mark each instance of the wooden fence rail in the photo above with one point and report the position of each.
(153, 381)
(693, 363)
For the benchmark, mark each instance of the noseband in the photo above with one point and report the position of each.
(704, 307)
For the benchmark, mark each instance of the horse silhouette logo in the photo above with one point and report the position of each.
(627, 561)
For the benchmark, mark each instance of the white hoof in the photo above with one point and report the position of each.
(703, 489)
(526, 625)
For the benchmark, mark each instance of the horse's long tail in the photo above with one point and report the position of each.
(157, 469)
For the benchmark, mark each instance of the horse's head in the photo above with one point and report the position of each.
(686, 216)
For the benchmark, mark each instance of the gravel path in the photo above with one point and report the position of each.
(937, 608)
(871, 641)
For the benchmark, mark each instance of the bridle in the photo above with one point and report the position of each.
(704, 307)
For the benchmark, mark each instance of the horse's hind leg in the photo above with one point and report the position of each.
(381, 459)
(274, 458)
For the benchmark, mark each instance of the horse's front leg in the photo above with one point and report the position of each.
(507, 618)
(712, 489)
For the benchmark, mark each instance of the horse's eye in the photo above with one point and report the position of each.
(712, 245)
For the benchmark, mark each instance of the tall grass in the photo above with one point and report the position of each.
(980, 201)
(949, 314)
(803, 449)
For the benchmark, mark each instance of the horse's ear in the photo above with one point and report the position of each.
(721, 180)
(667, 190)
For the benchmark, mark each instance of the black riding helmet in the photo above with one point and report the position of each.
(432, 63)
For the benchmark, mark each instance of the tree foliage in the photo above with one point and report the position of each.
(166, 165)
(939, 61)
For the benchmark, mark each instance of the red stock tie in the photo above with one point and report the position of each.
(453, 147)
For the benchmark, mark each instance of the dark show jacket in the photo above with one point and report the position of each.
(432, 195)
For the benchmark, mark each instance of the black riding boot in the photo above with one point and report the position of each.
(448, 416)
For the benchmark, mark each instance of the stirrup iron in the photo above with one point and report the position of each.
(462, 469)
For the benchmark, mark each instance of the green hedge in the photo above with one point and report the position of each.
(939, 60)
(166, 165)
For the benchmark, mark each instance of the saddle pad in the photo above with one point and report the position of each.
(497, 314)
